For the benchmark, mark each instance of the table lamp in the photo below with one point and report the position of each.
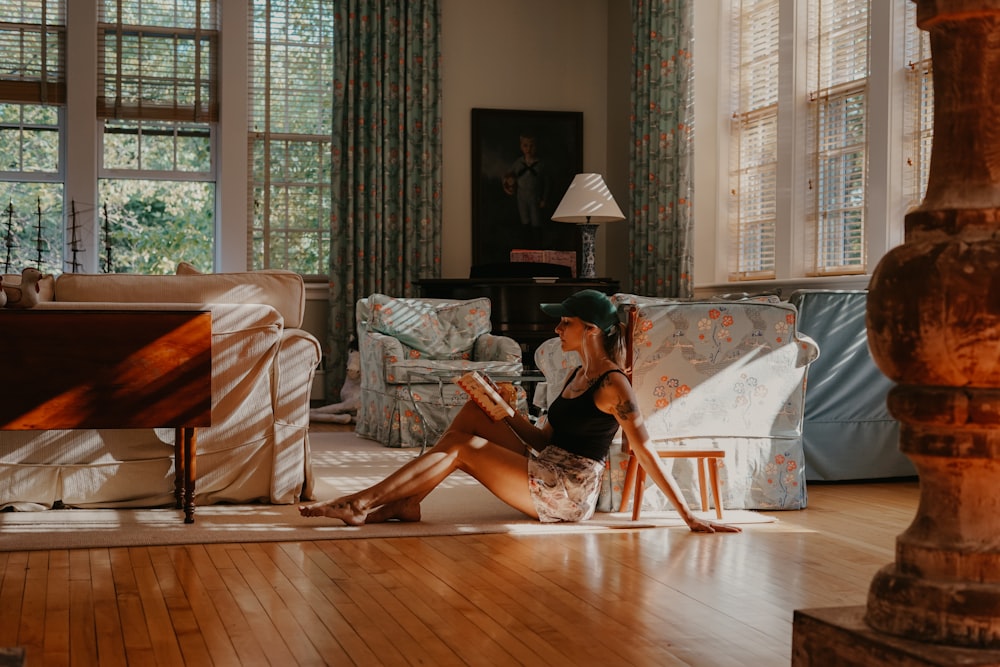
(588, 201)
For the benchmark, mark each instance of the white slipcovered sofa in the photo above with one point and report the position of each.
(257, 448)
(728, 374)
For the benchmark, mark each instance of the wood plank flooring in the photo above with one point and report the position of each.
(634, 597)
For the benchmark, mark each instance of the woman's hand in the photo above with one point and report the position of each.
(702, 526)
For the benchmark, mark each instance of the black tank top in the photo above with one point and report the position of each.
(578, 426)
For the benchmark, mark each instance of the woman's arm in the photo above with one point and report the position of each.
(533, 436)
(616, 397)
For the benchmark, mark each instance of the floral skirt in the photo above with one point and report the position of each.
(564, 486)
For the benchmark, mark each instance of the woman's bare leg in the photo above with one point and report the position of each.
(468, 420)
(487, 450)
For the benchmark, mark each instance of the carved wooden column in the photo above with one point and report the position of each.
(934, 328)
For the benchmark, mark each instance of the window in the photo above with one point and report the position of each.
(919, 108)
(131, 170)
(838, 96)
(805, 198)
(290, 134)
(755, 128)
(32, 92)
(157, 102)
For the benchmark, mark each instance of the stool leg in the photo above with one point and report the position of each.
(702, 486)
(640, 487)
(629, 484)
(713, 475)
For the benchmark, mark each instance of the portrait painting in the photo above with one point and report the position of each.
(522, 164)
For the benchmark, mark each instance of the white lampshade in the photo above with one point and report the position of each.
(588, 201)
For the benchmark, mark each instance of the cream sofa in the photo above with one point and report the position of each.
(257, 448)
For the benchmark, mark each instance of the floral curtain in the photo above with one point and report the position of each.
(662, 155)
(386, 221)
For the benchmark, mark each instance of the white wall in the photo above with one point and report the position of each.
(710, 163)
(520, 54)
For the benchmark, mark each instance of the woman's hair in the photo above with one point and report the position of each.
(614, 343)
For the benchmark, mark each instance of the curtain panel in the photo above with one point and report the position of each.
(662, 157)
(386, 220)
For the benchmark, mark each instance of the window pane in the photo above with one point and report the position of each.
(152, 225)
(158, 59)
(919, 119)
(840, 37)
(31, 225)
(152, 146)
(29, 139)
(753, 177)
(296, 206)
(838, 128)
(32, 51)
(841, 181)
(291, 116)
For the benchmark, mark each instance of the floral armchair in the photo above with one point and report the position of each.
(411, 350)
(715, 373)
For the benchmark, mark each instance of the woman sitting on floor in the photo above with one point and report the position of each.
(562, 481)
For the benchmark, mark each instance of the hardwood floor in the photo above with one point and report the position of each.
(635, 597)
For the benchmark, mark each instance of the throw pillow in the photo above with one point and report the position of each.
(441, 330)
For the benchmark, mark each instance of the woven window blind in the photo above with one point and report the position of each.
(755, 138)
(158, 60)
(919, 121)
(838, 31)
(291, 133)
(33, 51)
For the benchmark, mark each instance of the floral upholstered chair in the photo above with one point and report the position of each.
(728, 374)
(411, 351)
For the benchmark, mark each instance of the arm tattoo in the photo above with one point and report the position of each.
(626, 408)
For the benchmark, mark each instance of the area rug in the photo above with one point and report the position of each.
(342, 463)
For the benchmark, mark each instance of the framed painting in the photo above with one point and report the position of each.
(522, 164)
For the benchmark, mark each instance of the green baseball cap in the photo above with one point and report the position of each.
(589, 305)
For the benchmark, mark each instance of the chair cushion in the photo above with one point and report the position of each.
(442, 330)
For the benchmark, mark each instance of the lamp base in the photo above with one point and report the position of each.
(588, 237)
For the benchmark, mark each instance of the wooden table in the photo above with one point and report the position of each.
(82, 369)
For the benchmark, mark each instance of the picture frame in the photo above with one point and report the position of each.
(511, 207)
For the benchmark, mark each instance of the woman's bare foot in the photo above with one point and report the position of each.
(339, 508)
(407, 509)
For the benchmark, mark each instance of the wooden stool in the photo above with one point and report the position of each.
(636, 475)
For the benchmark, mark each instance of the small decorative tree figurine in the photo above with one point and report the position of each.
(10, 240)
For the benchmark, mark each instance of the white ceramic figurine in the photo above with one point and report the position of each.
(25, 294)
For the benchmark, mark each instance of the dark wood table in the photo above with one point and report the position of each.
(112, 369)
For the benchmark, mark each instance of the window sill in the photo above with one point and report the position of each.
(784, 286)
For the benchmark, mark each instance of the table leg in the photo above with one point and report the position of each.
(185, 455)
(179, 468)
(430, 432)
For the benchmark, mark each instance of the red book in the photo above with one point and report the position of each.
(484, 393)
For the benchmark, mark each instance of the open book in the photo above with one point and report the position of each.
(486, 395)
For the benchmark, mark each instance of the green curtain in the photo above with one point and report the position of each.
(662, 155)
(386, 221)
